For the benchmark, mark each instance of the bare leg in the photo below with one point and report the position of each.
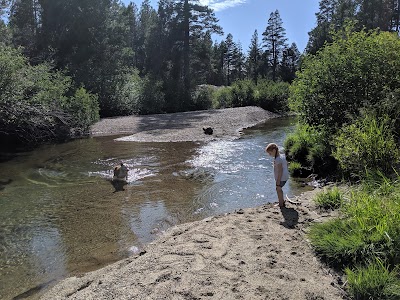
(280, 196)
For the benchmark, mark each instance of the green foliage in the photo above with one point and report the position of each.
(311, 148)
(267, 94)
(295, 168)
(365, 241)
(135, 94)
(203, 97)
(272, 96)
(36, 103)
(368, 145)
(222, 97)
(151, 100)
(243, 93)
(337, 243)
(84, 110)
(374, 281)
(329, 199)
(358, 70)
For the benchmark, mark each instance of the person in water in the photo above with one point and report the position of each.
(281, 172)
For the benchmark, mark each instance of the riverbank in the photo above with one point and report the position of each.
(255, 253)
(183, 127)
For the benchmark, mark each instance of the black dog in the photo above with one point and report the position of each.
(208, 130)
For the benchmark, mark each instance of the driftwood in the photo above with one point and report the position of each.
(292, 201)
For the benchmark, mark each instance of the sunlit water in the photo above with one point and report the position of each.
(61, 216)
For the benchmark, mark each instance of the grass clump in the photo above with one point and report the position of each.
(373, 282)
(329, 199)
(368, 231)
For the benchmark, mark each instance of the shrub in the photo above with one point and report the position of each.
(295, 169)
(311, 148)
(329, 199)
(242, 93)
(373, 282)
(84, 109)
(222, 98)
(269, 95)
(203, 97)
(151, 97)
(135, 94)
(365, 146)
(38, 104)
(272, 96)
(358, 70)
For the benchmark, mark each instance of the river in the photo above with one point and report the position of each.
(61, 216)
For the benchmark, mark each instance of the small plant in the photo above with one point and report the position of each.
(330, 199)
(373, 282)
(295, 168)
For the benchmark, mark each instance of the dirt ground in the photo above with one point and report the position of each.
(255, 253)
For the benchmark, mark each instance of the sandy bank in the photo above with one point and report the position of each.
(187, 126)
(256, 253)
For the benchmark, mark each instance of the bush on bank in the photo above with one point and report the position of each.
(311, 148)
(267, 94)
(359, 70)
(357, 75)
(38, 104)
(368, 145)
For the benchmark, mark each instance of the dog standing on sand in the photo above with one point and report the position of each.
(121, 172)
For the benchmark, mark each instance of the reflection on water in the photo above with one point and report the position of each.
(60, 214)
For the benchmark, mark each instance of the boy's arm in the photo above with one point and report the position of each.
(279, 175)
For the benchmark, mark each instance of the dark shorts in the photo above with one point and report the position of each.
(282, 183)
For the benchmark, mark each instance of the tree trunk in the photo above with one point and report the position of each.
(186, 55)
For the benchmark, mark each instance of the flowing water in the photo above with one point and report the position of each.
(60, 215)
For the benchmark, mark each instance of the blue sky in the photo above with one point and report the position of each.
(242, 17)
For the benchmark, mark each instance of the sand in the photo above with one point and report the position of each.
(186, 126)
(254, 253)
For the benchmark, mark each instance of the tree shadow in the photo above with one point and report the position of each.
(291, 217)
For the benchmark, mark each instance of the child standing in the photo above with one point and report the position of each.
(281, 172)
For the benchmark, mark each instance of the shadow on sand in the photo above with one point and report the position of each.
(291, 217)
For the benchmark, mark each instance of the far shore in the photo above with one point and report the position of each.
(183, 127)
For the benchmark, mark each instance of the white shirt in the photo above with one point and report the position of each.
(281, 159)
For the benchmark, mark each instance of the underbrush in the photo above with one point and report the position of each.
(365, 241)
(329, 199)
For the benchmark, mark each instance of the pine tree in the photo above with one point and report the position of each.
(274, 41)
(228, 58)
(254, 58)
(290, 63)
(239, 58)
(192, 22)
(5, 35)
(24, 23)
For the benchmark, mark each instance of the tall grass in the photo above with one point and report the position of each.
(329, 199)
(374, 281)
(367, 232)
